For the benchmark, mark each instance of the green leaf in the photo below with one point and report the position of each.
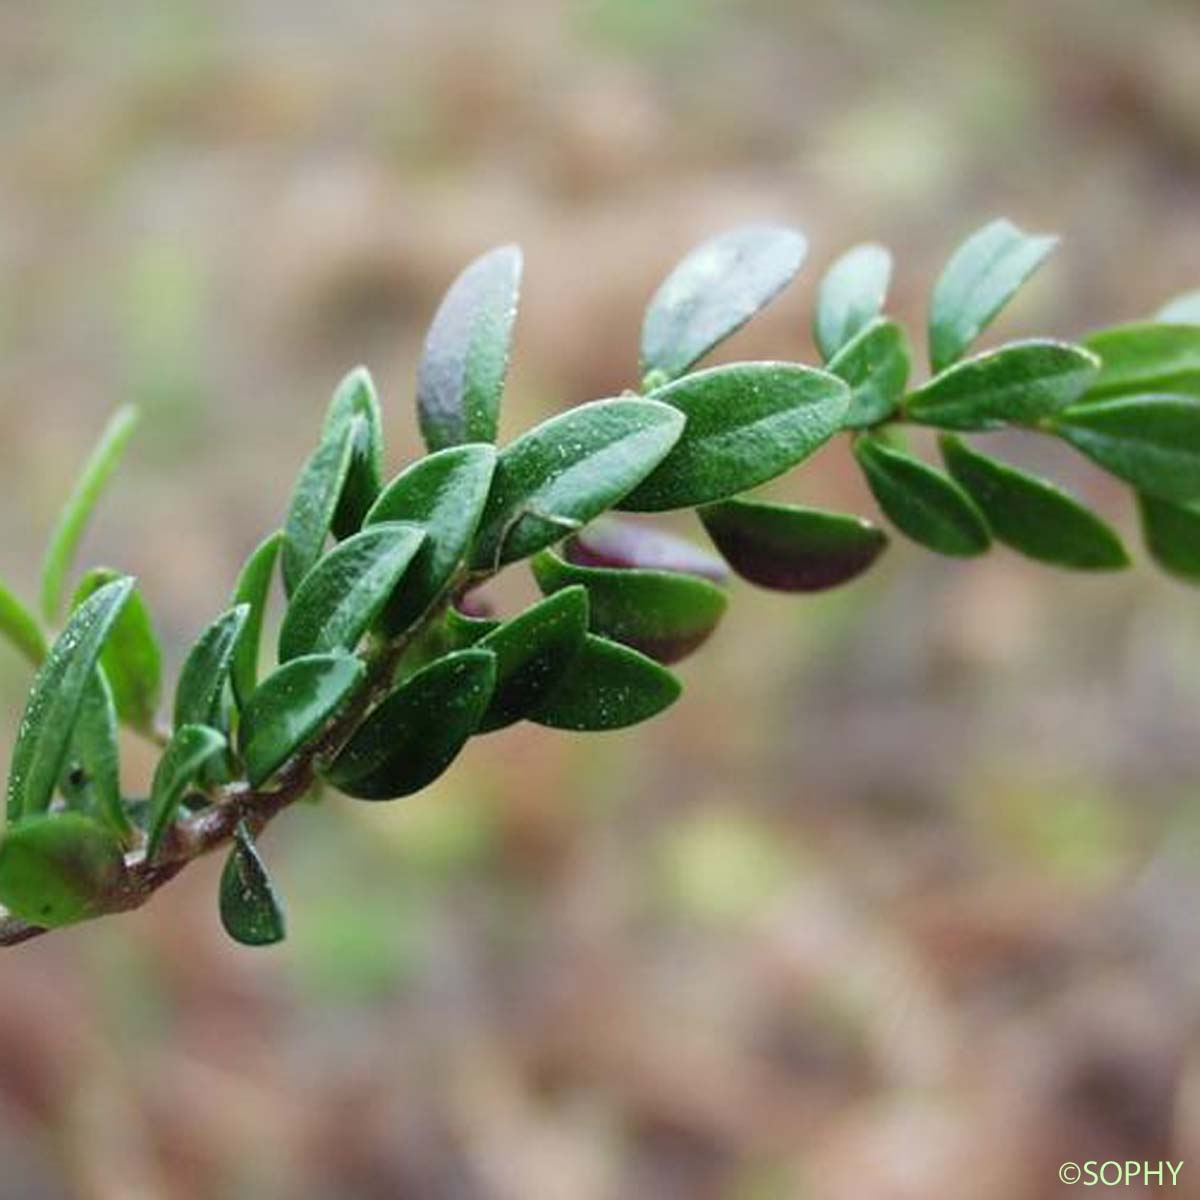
(344, 593)
(1172, 535)
(746, 423)
(607, 686)
(132, 657)
(875, 363)
(532, 652)
(251, 911)
(191, 749)
(200, 692)
(55, 699)
(465, 361)
(418, 731)
(1033, 516)
(567, 470)
(57, 869)
(1144, 358)
(355, 397)
(1152, 442)
(978, 281)
(444, 494)
(851, 296)
(1183, 310)
(290, 706)
(664, 614)
(463, 630)
(791, 549)
(922, 502)
(94, 747)
(1018, 384)
(21, 627)
(714, 291)
(77, 511)
(315, 501)
(252, 589)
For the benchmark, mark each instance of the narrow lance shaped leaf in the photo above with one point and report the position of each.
(355, 397)
(132, 657)
(21, 627)
(875, 364)
(607, 686)
(55, 699)
(713, 292)
(922, 502)
(980, 278)
(418, 731)
(73, 519)
(1033, 516)
(191, 749)
(851, 296)
(1172, 535)
(746, 424)
(58, 869)
(290, 706)
(791, 549)
(251, 911)
(344, 593)
(568, 470)
(465, 360)
(444, 494)
(1183, 310)
(94, 747)
(1146, 358)
(200, 692)
(252, 589)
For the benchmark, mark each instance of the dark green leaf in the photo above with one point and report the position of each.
(979, 280)
(1144, 358)
(875, 363)
(1018, 384)
(73, 519)
(344, 593)
(354, 397)
(417, 732)
(132, 658)
(746, 423)
(21, 628)
(713, 292)
(532, 652)
(569, 470)
(922, 502)
(191, 749)
(463, 630)
(851, 296)
(291, 705)
(444, 495)
(1183, 310)
(55, 699)
(1172, 535)
(466, 352)
(1152, 442)
(608, 686)
(252, 589)
(57, 869)
(200, 693)
(250, 908)
(94, 748)
(1032, 516)
(616, 543)
(791, 549)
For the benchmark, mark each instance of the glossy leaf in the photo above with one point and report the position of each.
(462, 630)
(192, 748)
(713, 292)
(443, 494)
(608, 686)
(132, 657)
(59, 868)
(746, 423)
(251, 911)
(466, 354)
(791, 549)
(252, 589)
(55, 699)
(922, 502)
(200, 692)
(343, 594)
(1146, 358)
(978, 281)
(76, 513)
(94, 749)
(875, 363)
(20, 627)
(1033, 516)
(568, 470)
(851, 297)
(355, 397)
(1183, 310)
(290, 706)
(1172, 535)
(610, 542)
(1152, 442)
(532, 652)
(418, 731)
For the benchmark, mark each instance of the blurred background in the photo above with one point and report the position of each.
(899, 901)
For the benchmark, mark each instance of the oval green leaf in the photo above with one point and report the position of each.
(251, 911)
(1172, 535)
(252, 589)
(355, 397)
(191, 749)
(875, 363)
(200, 692)
(1146, 357)
(463, 630)
(626, 544)
(21, 627)
(94, 750)
(851, 296)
